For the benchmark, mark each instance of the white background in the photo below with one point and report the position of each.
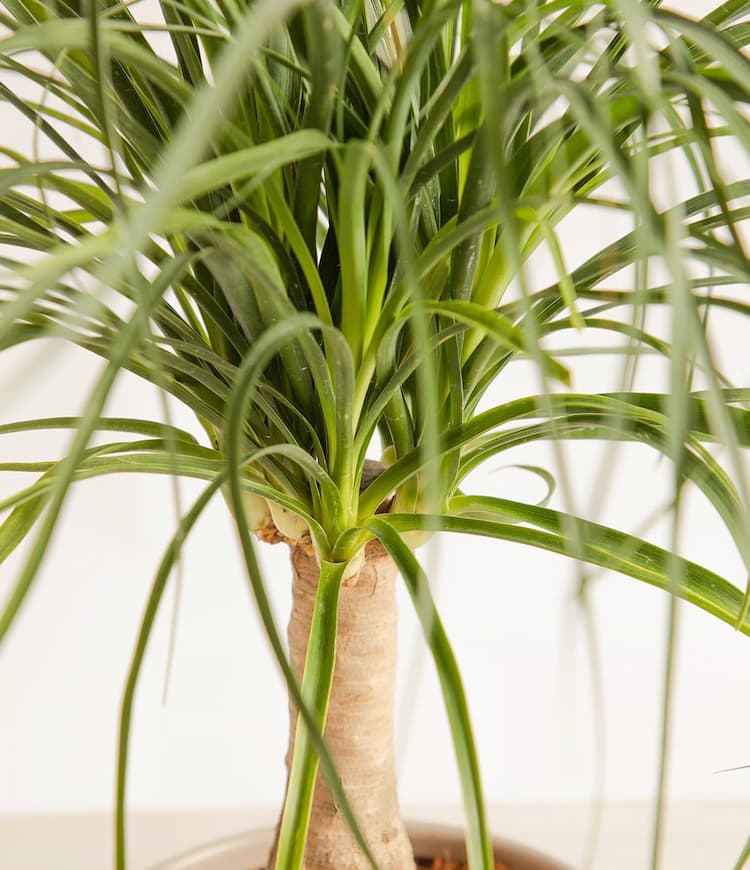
(511, 613)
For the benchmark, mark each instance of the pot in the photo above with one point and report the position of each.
(249, 851)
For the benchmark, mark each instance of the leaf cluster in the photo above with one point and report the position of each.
(311, 224)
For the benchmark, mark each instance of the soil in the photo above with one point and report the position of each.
(447, 863)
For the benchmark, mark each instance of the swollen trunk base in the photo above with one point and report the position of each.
(359, 727)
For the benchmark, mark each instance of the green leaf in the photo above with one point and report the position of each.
(149, 616)
(600, 545)
(257, 160)
(319, 684)
(317, 680)
(478, 843)
(65, 473)
(498, 327)
(744, 856)
(103, 424)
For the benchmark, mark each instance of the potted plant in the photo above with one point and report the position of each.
(313, 221)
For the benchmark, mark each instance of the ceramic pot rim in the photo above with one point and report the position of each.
(248, 851)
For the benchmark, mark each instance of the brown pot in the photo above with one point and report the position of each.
(250, 851)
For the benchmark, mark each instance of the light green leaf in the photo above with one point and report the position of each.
(478, 843)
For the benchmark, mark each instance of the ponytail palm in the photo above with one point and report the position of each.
(311, 224)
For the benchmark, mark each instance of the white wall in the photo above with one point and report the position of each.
(510, 611)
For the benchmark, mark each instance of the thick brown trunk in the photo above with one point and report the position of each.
(359, 727)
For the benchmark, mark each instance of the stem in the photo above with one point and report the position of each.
(317, 678)
(359, 721)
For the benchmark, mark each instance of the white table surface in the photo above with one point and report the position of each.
(699, 836)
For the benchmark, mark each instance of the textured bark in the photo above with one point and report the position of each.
(359, 727)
